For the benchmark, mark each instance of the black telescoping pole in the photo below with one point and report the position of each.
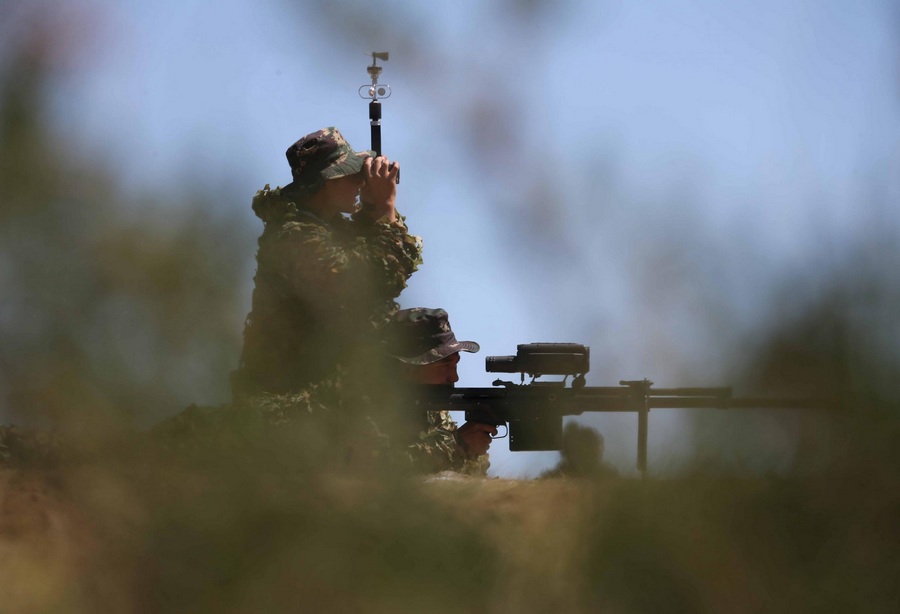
(375, 119)
(373, 92)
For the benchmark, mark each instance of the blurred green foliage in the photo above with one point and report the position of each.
(773, 545)
(115, 306)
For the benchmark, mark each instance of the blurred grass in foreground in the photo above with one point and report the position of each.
(265, 529)
(275, 517)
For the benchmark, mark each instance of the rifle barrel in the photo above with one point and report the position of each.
(611, 399)
(767, 403)
(541, 406)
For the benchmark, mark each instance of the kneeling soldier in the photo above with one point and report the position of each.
(427, 350)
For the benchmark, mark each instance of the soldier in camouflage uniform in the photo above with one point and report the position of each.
(325, 283)
(427, 350)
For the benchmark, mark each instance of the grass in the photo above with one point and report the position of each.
(144, 531)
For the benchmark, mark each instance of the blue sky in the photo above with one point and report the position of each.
(592, 173)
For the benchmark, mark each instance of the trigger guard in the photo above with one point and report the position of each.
(503, 436)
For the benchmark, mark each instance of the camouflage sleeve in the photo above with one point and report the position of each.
(438, 450)
(394, 252)
(348, 268)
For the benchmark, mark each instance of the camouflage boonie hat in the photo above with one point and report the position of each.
(321, 156)
(421, 336)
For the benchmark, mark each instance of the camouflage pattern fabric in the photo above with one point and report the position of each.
(323, 155)
(325, 428)
(421, 336)
(419, 442)
(322, 290)
(313, 426)
(438, 450)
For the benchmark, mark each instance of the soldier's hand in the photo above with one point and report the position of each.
(475, 437)
(379, 192)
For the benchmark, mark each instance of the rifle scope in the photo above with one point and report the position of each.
(543, 359)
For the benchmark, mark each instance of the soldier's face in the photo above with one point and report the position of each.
(343, 192)
(441, 372)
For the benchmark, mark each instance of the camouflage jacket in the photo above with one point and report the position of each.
(437, 448)
(321, 291)
(322, 426)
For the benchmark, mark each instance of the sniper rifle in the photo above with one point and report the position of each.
(533, 413)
